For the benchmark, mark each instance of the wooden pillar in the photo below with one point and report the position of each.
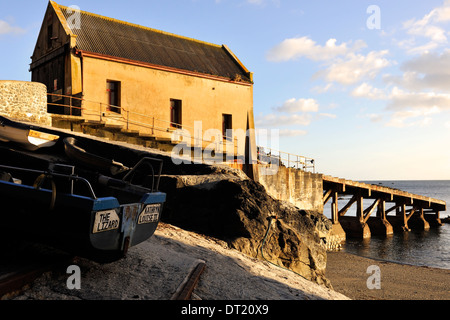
(380, 225)
(403, 218)
(360, 209)
(426, 225)
(335, 208)
(381, 212)
(436, 220)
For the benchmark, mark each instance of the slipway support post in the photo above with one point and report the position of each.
(365, 224)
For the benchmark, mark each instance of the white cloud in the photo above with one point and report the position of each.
(422, 118)
(301, 105)
(292, 133)
(400, 99)
(428, 71)
(405, 108)
(295, 48)
(293, 113)
(322, 89)
(6, 28)
(365, 90)
(277, 120)
(327, 115)
(430, 63)
(429, 28)
(374, 117)
(355, 68)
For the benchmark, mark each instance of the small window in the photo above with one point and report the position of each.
(113, 89)
(227, 126)
(175, 113)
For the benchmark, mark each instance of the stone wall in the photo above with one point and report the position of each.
(303, 189)
(24, 101)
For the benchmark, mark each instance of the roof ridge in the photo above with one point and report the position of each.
(138, 26)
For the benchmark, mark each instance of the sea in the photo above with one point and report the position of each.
(421, 248)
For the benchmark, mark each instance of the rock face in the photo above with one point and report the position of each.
(227, 205)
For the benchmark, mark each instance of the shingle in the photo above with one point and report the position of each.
(123, 40)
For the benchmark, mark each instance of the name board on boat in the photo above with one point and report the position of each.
(150, 214)
(106, 221)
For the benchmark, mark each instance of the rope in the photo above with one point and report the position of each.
(38, 184)
(262, 251)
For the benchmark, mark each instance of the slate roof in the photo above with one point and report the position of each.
(129, 41)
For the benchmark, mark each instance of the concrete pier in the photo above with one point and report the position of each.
(374, 204)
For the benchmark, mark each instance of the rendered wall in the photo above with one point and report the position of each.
(148, 92)
(303, 189)
(25, 101)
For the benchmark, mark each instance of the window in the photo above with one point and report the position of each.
(175, 113)
(227, 126)
(113, 90)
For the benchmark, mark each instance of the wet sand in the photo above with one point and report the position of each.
(348, 275)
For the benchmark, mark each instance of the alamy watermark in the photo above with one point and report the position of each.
(213, 147)
(74, 20)
(374, 281)
(74, 280)
(374, 20)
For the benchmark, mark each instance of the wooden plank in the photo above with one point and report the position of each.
(368, 212)
(186, 289)
(348, 206)
(327, 196)
(396, 195)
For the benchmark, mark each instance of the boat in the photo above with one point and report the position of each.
(77, 152)
(97, 217)
(25, 135)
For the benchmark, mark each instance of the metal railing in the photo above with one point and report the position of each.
(103, 113)
(275, 157)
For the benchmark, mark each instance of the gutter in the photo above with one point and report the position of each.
(84, 53)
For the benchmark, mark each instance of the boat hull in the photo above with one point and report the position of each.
(25, 135)
(99, 229)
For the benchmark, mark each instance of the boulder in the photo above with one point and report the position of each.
(225, 204)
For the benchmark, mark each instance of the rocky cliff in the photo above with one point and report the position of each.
(225, 204)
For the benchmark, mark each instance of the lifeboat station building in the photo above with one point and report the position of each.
(105, 72)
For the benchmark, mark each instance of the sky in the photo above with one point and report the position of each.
(362, 87)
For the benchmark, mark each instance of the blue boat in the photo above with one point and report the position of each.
(97, 217)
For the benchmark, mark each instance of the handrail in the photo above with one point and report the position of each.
(54, 174)
(125, 116)
(127, 120)
(272, 156)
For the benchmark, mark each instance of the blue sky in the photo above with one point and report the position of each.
(367, 101)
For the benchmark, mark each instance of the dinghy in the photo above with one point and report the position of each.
(25, 135)
(78, 153)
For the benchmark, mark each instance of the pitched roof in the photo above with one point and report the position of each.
(111, 37)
